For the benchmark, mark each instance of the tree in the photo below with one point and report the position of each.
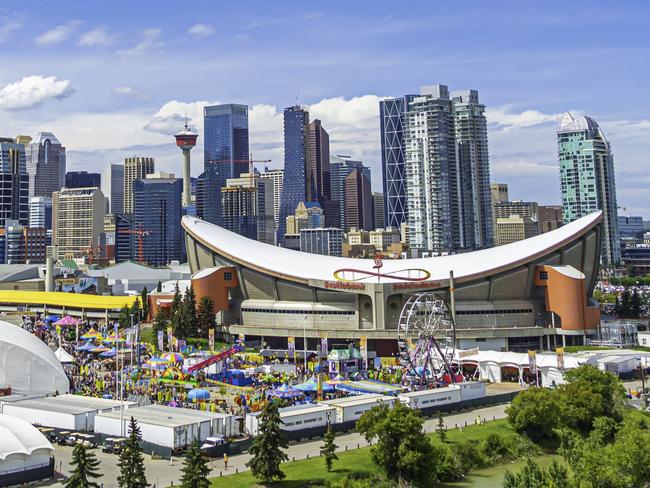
(534, 476)
(402, 450)
(205, 316)
(267, 447)
(125, 317)
(189, 312)
(195, 468)
(161, 320)
(177, 319)
(135, 309)
(635, 304)
(535, 412)
(144, 299)
(84, 469)
(131, 461)
(328, 449)
(440, 428)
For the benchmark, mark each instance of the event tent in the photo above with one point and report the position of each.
(23, 449)
(64, 356)
(28, 366)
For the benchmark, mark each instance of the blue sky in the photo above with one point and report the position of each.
(114, 79)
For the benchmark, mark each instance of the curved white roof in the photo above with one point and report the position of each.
(29, 366)
(20, 437)
(302, 267)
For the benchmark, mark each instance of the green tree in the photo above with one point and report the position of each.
(144, 299)
(189, 312)
(328, 449)
(195, 468)
(266, 451)
(124, 320)
(205, 316)
(131, 461)
(402, 450)
(534, 476)
(135, 310)
(441, 429)
(635, 304)
(177, 316)
(84, 469)
(535, 412)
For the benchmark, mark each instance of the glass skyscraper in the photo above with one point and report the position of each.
(391, 118)
(297, 181)
(46, 165)
(225, 152)
(14, 183)
(587, 179)
(158, 211)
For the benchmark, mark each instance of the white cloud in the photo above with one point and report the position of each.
(32, 91)
(148, 38)
(59, 34)
(98, 36)
(201, 30)
(171, 117)
(129, 91)
(7, 28)
(505, 118)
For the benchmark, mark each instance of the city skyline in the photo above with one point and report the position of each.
(74, 76)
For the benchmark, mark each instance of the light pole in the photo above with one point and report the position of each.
(304, 343)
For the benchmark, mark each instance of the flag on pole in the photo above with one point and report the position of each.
(170, 338)
(291, 346)
(559, 352)
(161, 340)
(211, 339)
(532, 362)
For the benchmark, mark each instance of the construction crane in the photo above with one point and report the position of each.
(141, 233)
(251, 166)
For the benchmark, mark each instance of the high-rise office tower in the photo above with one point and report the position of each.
(391, 119)
(504, 210)
(435, 164)
(473, 159)
(327, 241)
(276, 176)
(340, 167)
(77, 220)
(358, 202)
(14, 183)
(297, 182)
(124, 238)
(46, 165)
(498, 193)
(113, 188)
(587, 179)
(135, 168)
(550, 217)
(225, 137)
(319, 161)
(158, 211)
(40, 212)
(247, 207)
(514, 228)
(82, 179)
(378, 218)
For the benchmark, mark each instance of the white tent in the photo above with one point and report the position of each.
(23, 447)
(64, 356)
(27, 365)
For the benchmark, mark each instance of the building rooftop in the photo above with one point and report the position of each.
(70, 404)
(303, 267)
(571, 124)
(166, 416)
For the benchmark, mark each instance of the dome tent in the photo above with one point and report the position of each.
(25, 453)
(27, 365)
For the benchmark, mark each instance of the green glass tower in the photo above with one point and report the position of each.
(587, 179)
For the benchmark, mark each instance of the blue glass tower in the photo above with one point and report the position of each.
(158, 211)
(296, 184)
(225, 148)
(391, 117)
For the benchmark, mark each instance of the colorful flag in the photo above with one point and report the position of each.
(291, 346)
(242, 337)
(170, 337)
(161, 340)
(323, 343)
(211, 339)
(532, 361)
(363, 349)
(559, 352)
(58, 330)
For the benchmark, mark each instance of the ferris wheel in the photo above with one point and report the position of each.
(426, 339)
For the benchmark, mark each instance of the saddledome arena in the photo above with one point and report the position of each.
(531, 294)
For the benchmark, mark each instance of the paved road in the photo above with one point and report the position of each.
(164, 472)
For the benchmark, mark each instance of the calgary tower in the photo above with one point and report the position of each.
(186, 140)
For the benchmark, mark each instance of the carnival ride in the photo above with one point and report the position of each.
(426, 340)
(222, 356)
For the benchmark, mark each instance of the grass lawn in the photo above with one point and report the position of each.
(300, 473)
